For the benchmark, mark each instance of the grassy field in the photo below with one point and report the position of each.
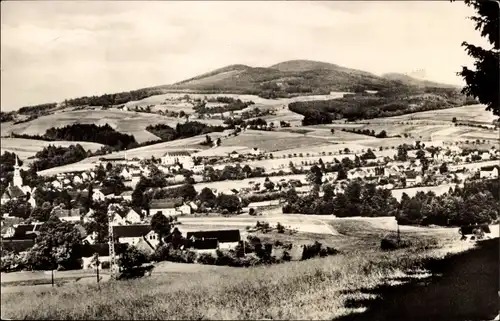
(25, 148)
(357, 284)
(466, 113)
(123, 121)
(324, 288)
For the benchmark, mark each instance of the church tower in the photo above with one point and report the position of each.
(18, 180)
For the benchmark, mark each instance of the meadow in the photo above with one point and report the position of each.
(26, 148)
(345, 287)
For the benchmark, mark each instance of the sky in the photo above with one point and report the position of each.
(53, 50)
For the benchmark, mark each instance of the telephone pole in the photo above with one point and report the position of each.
(113, 262)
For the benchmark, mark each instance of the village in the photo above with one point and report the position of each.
(422, 167)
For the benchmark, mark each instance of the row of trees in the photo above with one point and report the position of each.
(367, 132)
(108, 100)
(53, 156)
(105, 135)
(476, 202)
(231, 105)
(185, 130)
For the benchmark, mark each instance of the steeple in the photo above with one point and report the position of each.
(17, 180)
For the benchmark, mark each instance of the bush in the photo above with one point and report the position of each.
(252, 212)
(280, 228)
(390, 242)
(206, 258)
(286, 256)
(105, 265)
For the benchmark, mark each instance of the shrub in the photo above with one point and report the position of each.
(206, 258)
(252, 211)
(390, 242)
(286, 256)
(280, 228)
(105, 265)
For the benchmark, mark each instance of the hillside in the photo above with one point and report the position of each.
(283, 79)
(294, 77)
(411, 81)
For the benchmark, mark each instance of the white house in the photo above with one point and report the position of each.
(489, 172)
(184, 209)
(117, 220)
(198, 168)
(126, 174)
(485, 156)
(77, 180)
(177, 157)
(132, 217)
(88, 216)
(166, 206)
(85, 176)
(255, 151)
(56, 184)
(72, 215)
(132, 234)
(413, 178)
(97, 195)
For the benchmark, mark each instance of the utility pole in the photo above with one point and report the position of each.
(113, 263)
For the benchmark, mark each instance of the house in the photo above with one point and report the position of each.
(127, 196)
(255, 151)
(184, 209)
(412, 178)
(22, 231)
(177, 157)
(56, 184)
(356, 173)
(489, 172)
(98, 195)
(72, 215)
(485, 156)
(197, 169)
(126, 174)
(102, 249)
(234, 154)
(88, 216)
(77, 180)
(132, 217)
(226, 239)
(118, 220)
(165, 206)
(85, 176)
(132, 234)
(12, 193)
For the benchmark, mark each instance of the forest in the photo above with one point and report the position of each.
(390, 102)
(185, 130)
(53, 156)
(108, 100)
(105, 135)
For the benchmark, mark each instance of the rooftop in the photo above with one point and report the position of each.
(221, 235)
(131, 230)
(165, 203)
(177, 153)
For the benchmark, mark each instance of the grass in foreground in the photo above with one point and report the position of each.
(313, 289)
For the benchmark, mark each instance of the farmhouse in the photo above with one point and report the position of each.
(489, 172)
(22, 231)
(72, 215)
(226, 239)
(12, 193)
(177, 157)
(98, 195)
(132, 234)
(167, 207)
(234, 155)
(412, 178)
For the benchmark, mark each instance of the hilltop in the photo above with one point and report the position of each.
(294, 77)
